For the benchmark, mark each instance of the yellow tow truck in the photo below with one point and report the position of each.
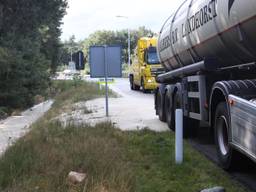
(146, 65)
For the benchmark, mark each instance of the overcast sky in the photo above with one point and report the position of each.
(86, 16)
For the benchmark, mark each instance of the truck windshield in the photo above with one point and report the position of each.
(152, 57)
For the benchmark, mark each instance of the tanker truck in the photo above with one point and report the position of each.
(208, 51)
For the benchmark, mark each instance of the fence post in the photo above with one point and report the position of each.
(178, 136)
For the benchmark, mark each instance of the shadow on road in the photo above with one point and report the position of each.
(245, 172)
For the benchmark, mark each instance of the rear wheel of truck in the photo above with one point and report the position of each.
(160, 107)
(226, 154)
(169, 111)
(136, 87)
(133, 86)
(144, 90)
(131, 82)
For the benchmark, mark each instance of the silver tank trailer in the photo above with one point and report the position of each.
(199, 29)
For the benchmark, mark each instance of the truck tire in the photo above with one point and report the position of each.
(225, 152)
(160, 107)
(176, 105)
(133, 86)
(136, 87)
(169, 111)
(131, 82)
(143, 86)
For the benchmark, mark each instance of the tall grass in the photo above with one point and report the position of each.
(42, 159)
(114, 161)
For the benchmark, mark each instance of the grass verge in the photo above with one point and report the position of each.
(114, 161)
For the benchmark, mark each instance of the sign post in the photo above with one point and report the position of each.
(105, 62)
(106, 77)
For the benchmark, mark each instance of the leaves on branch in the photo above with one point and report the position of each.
(29, 48)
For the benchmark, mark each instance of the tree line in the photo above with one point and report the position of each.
(105, 37)
(29, 48)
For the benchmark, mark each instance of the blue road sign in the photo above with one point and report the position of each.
(105, 57)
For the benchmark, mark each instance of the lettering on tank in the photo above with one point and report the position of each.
(165, 43)
(204, 15)
(200, 18)
(230, 4)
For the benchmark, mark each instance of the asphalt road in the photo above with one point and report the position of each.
(203, 142)
(122, 86)
(133, 110)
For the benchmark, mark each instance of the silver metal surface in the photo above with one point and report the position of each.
(200, 95)
(209, 28)
(243, 123)
(181, 71)
(193, 94)
(222, 135)
(195, 116)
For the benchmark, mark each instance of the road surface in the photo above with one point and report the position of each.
(131, 110)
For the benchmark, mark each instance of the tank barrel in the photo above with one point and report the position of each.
(205, 65)
(205, 28)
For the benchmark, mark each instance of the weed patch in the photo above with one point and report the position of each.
(44, 157)
(114, 161)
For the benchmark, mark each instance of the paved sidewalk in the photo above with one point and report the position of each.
(15, 127)
(132, 111)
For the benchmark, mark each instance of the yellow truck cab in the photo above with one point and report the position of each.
(146, 65)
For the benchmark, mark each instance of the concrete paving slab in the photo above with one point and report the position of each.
(15, 127)
(133, 110)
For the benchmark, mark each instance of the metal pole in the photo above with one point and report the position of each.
(178, 136)
(71, 54)
(106, 78)
(80, 60)
(129, 47)
(129, 40)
